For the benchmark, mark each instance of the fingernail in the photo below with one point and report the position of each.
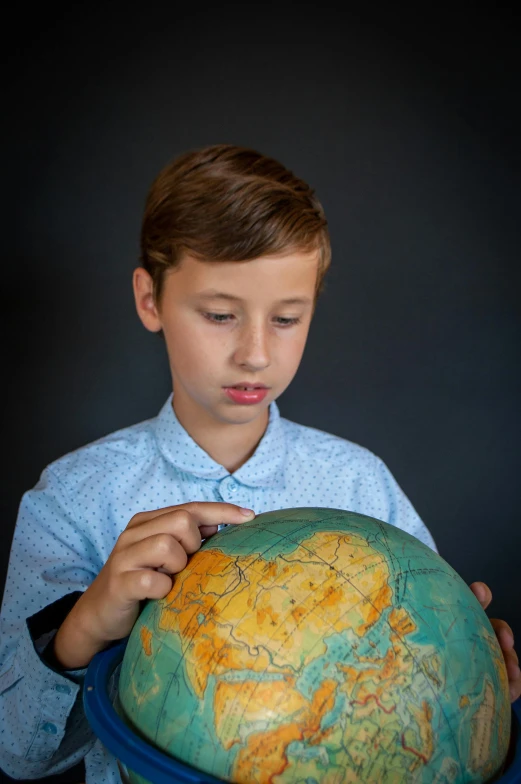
(247, 512)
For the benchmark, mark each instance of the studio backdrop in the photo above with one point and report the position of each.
(408, 130)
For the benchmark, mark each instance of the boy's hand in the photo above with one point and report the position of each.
(505, 638)
(154, 546)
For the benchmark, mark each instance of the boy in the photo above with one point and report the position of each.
(234, 253)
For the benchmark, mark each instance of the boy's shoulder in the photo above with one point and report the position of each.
(123, 447)
(319, 445)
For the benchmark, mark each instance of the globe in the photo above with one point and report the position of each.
(319, 646)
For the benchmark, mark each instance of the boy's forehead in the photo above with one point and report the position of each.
(289, 276)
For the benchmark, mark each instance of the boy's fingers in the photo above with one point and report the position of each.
(514, 678)
(161, 551)
(208, 530)
(182, 523)
(505, 638)
(145, 584)
(512, 665)
(216, 513)
(179, 524)
(204, 512)
(482, 593)
(504, 633)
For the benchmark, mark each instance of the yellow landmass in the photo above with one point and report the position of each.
(491, 724)
(482, 725)
(248, 702)
(298, 601)
(146, 640)
(263, 756)
(420, 743)
(378, 679)
(271, 617)
(401, 622)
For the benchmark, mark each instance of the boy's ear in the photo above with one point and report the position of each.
(144, 296)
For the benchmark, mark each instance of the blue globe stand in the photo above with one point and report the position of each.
(159, 768)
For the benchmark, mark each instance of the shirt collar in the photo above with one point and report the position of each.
(264, 467)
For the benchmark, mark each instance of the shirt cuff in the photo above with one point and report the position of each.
(38, 701)
(43, 626)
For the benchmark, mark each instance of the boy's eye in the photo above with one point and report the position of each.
(223, 318)
(218, 318)
(287, 322)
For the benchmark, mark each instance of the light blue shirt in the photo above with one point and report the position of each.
(68, 525)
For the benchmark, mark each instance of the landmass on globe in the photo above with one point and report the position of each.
(320, 646)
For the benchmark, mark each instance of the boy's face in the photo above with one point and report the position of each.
(231, 323)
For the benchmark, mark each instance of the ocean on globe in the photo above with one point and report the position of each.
(319, 646)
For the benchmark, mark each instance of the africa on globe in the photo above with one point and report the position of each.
(319, 646)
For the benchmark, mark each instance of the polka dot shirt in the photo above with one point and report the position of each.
(68, 525)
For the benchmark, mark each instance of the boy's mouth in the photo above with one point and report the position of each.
(247, 394)
(247, 387)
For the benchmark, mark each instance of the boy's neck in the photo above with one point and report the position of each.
(228, 444)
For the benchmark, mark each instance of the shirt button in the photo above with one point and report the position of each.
(62, 688)
(50, 728)
(233, 488)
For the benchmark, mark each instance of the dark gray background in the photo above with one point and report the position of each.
(408, 129)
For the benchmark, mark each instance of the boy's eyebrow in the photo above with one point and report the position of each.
(213, 294)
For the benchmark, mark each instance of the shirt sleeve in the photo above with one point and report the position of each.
(400, 511)
(44, 728)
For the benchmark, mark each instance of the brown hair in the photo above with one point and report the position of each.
(229, 203)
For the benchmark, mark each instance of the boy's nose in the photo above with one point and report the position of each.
(253, 352)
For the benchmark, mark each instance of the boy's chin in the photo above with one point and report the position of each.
(240, 415)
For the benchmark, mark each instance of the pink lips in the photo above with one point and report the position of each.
(246, 397)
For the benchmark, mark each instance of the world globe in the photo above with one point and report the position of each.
(319, 646)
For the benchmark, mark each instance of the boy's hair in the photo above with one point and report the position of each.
(229, 203)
